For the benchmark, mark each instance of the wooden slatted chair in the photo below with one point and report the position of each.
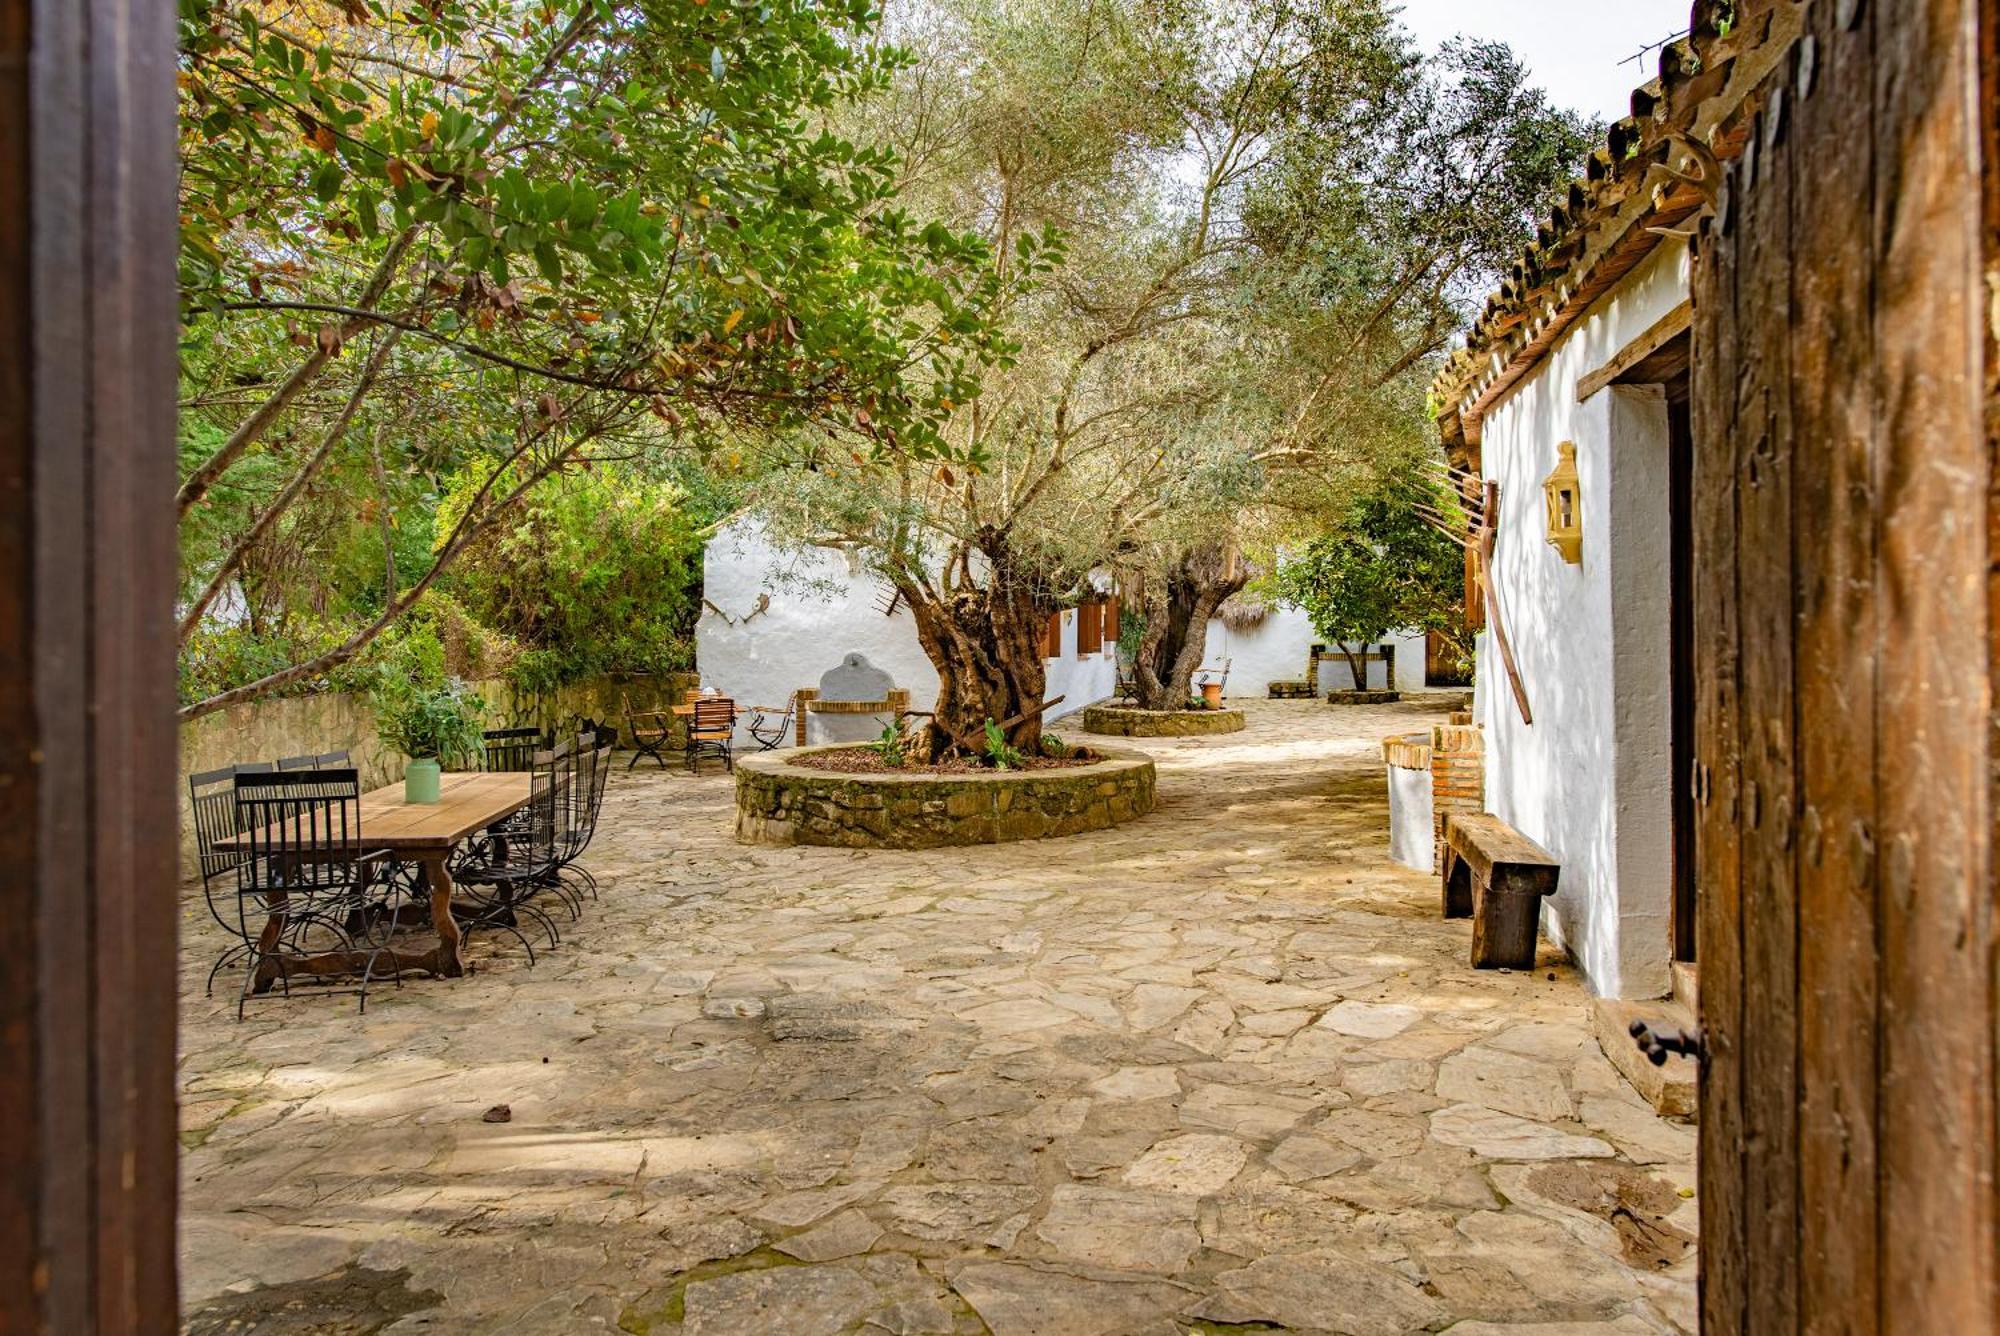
(650, 731)
(711, 732)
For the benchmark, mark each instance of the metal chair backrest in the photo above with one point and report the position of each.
(301, 835)
(577, 775)
(544, 810)
(307, 762)
(713, 715)
(333, 760)
(513, 749)
(212, 804)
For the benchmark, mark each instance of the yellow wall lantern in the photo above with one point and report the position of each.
(1565, 503)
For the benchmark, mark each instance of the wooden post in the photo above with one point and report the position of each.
(87, 745)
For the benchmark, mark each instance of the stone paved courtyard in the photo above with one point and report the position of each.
(1222, 1066)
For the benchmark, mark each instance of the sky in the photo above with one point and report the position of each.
(1572, 46)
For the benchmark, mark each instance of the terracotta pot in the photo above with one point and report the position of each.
(1211, 695)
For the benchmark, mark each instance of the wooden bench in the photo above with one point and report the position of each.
(1496, 876)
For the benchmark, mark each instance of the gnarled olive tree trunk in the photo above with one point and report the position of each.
(1177, 608)
(983, 634)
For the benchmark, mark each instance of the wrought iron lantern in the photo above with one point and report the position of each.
(1564, 496)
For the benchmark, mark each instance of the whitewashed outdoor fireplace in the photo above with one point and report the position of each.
(853, 702)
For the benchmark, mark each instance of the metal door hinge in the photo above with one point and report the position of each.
(1657, 1042)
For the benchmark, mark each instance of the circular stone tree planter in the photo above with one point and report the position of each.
(1126, 721)
(781, 803)
(1363, 697)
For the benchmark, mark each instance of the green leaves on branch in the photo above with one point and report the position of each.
(636, 200)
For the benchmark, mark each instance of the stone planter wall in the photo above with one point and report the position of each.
(781, 803)
(1125, 722)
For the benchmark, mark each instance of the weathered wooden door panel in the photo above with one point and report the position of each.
(1843, 756)
(1832, 408)
(1719, 936)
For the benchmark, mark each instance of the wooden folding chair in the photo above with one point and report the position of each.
(650, 731)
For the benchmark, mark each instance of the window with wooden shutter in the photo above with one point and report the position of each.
(1111, 622)
(1090, 628)
(1052, 637)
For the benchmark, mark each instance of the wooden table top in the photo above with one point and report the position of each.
(468, 802)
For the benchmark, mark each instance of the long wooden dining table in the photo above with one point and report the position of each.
(420, 833)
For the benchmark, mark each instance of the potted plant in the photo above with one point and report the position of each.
(430, 726)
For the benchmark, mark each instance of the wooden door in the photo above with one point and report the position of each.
(87, 844)
(1844, 688)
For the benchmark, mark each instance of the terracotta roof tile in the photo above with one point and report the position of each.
(1652, 174)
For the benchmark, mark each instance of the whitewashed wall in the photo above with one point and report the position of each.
(1588, 780)
(1275, 651)
(820, 604)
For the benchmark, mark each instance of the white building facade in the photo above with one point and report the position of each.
(773, 619)
(1590, 777)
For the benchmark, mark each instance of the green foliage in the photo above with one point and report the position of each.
(1383, 569)
(646, 197)
(889, 746)
(1055, 747)
(424, 722)
(222, 657)
(999, 753)
(475, 239)
(599, 571)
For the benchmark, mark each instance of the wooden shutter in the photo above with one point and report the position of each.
(1052, 637)
(1111, 622)
(1090, 628)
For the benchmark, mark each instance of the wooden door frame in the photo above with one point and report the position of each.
(88, 967)
(1847, 617)
(1681, 654)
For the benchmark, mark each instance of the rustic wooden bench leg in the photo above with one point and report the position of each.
(1457, 881)
(1505, 925)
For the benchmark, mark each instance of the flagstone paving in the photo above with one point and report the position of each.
(1225, 1065)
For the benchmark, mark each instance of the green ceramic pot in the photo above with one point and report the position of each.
(420, 782)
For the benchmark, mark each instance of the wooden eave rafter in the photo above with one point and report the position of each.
(1635, 193)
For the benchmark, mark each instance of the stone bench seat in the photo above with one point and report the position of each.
(1496, 876)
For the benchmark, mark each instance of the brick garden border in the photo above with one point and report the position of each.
(781, 803)
(1130, 722)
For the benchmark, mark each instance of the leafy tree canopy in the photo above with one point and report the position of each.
(1384, 568)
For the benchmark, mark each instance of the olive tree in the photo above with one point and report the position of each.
(474, 238)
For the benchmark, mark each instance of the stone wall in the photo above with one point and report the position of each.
(1123, 722)
(781, 803)
(343, 721)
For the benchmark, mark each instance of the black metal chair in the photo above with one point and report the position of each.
(650, 731)
(592, 768)
(771, 726)
(499, 874)
(513, 749)
(212, 805)
(712, 732)
(306, 884)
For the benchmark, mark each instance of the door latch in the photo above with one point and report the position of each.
(1659, 1041)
